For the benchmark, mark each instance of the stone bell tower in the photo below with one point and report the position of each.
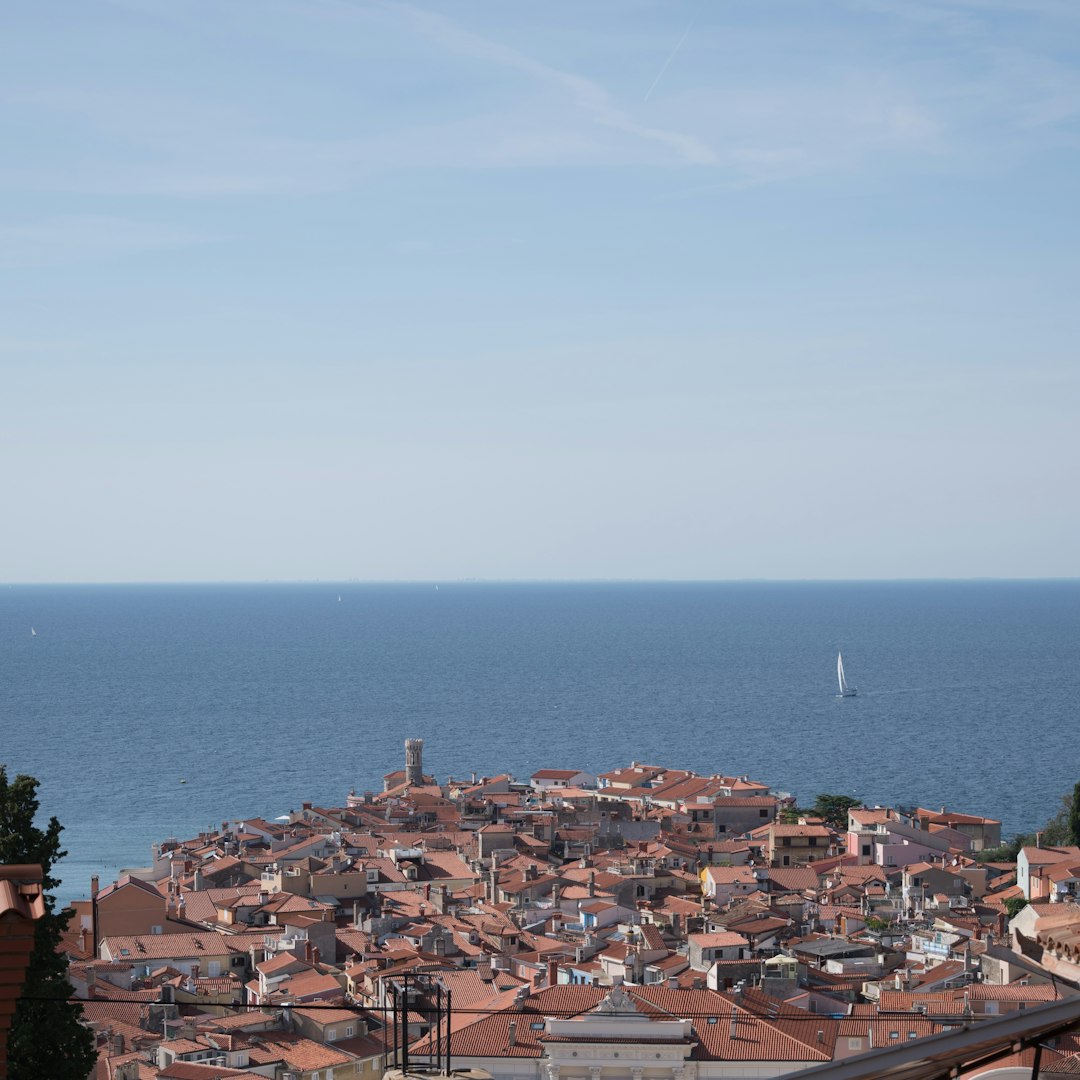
(414, 761)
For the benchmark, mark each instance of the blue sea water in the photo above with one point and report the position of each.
(263, 696)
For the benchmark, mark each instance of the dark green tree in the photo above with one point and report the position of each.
(1057, 832)
(1015, 904)
(47, 1038)
(1074, 817)
(833, 809)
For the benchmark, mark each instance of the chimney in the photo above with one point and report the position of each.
(733, 1033)
(512, 1035)
(356, 912)
(307, 951)
(427, 891)
(553, 972)
(483, 968)
(592, 882)
(82, 940)
(94, 882)
(196, 881)
(315, 955)
(116, 1045)
(195, 969)
(1038, 839)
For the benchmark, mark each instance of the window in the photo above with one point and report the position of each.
(763, 812)
(785, 841)
(813, 841)
(787, 860)
(866, 849)
(854, 1044)
(721, 827)
(348, 1031)
(155, 929)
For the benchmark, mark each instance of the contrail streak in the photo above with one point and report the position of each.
(667, 62)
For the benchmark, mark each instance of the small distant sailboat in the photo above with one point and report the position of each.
(33, 632)
(845, 690)
(339, 599)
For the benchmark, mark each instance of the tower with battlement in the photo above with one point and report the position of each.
(414, 761)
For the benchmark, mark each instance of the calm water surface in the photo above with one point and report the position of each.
(263, 696)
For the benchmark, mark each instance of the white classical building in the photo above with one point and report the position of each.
(636, 1033)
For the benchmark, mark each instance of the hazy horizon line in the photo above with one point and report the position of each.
(346, 582)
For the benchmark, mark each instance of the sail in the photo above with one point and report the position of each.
(840, 673)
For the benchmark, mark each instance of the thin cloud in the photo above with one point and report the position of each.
(589, 96)
(79, 238)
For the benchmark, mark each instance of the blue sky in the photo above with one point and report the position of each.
(336, 289)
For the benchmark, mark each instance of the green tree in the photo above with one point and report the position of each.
(1009, 851)
(1074, 817)
(1057, 831)
(833, 809)
(1015, 904)
(46, 1037)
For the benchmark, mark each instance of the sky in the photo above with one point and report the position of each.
(696, 289)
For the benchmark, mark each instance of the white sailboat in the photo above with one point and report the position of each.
(33, 632)
(845, 690)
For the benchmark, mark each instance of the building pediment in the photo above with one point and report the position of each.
(618, 1017)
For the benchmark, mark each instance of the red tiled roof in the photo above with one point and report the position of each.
(756, 1038)
(21, 904)
(190, 1070)
(301, 1053)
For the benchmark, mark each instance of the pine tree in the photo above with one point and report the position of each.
(46, 1037)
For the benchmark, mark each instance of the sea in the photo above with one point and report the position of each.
(150, 711)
